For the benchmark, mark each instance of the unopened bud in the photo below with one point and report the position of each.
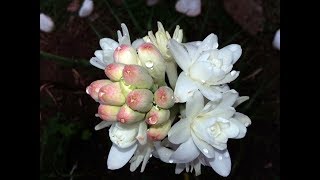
(159, 132)
(127, 115)
(164, 97)
(94, 88)
(153, 61)
(137, 76)
(157, 116)
(140, 100)
(125, 54)
(108, 113)
(114, 71)
(111, 94)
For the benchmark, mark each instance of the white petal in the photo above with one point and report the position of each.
(185, 153)
(194, 43)
(194, 105)
(179, 168)
(118, 157)
(228, 78)
(226, 112)
(201, 71)
(276, 40)
(137, 43)
(103, 124)
(163, 152)
(99, 54)
(228, 98)
(210, 42)
(241, 128)
(189, 7)
(123, 135)
(86, 8)
(46, 23)
(142, 133)
(185, 87)
(179, 54)
(192, 49)
(107, 43)
(204, 147)
(210, 92)
(240, 100)
(233, 130)
(221, 163)
(245, 120)
(172, 74)
(97, 63)
(235, 50)
(179, 132)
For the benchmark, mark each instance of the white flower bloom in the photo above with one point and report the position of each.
(189, 7)
(205, 130)
(276, 40)
(152, 2)
(205, 67)
(105, 57)
(46, 23)
(86, 8)
(160, 40)
(142, 154)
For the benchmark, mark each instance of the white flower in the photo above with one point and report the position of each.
(205, 68)
(189, 7)
(160, 40)
(206, 130)
(105, 57)
(86, 8)
(46, 23)
(142, 154)
(276, 40)
(152, 2)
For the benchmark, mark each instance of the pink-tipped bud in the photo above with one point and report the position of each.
(108, 113)
(114, 71)
(127, 115)
(159, 132)
(137, 76)
(151, 58)
(94, 88)
(164, 97)
(125, 54)
(140, 100)
(157, 116)
(111, 94)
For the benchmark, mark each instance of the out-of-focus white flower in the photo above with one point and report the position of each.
(206, 130)
(142, 154)
(160, 40)
(205, 67)
(86, 8)
(105, 56)
(276, 40)
(189, 7)
(46, 23)
(152, 2)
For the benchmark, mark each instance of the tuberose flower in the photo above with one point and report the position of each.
(189, 7)
(276, 40)
(46, 23)
(206, 129)
(205, 67)
(86, 8)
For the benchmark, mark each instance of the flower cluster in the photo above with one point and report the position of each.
(168, 119)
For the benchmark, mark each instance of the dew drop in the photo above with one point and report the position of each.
(150, 155)
(205, 151)
(149, 64)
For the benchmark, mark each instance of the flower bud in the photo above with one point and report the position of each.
(94, 88)
(125, 54)
(157, 116)
(114, 71)
(137, 76)
(111, 94)
(153, 61)
(108, 113)
(159, 132)
(127, 115)
(164, 97)
(140, 100)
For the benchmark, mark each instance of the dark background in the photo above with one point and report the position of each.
(69, 146)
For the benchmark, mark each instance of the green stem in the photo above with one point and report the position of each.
(64, 60)
(112, 12)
